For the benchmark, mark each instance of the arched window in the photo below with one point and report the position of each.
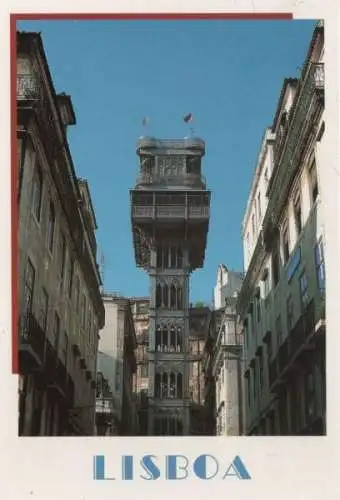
(158, 295)
(37, 192)
(179, 297)
(165, 386)
(157, 385)
(158, 338)
(164, 338)
(179, 339)
(173, 296)
(179, 258)
(173, 257)
(172, 385)
(159, 257)
(179, 386)
(165, 296)
(172, 339)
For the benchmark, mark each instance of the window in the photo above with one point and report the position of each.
(144, 370)
(50, 227)
(259, 206)
(254, 378)
(278, 330)
(276, 268)
(62, 255)
(77, 293)
(313, 182)
(320, 266)
(64, 349)
(44, 309)
(56, 328)
(29, 287)
(297, 213)
(89, 325)
(290, 313)
(304, 290)
(285, 243)
(83, 312)
(70, 283)
(253, 226)
(37, 193)
(266, 176)
(260, 370)
(258, 309)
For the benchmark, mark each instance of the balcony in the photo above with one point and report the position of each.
(298, 346)
(31, 344)
(104, 406)
(187, 180)
(149, 213)
(27, 88)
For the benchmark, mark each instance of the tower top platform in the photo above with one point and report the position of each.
(187, 145)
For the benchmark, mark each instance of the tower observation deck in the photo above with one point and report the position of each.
(170, 208)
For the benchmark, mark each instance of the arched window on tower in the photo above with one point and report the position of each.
(179, 297)
(173, 296)
(179, 258)
(179, 339)
(165, 296)
(173, 255)
(157, 385)
(164, 386)
(179, 386)
(159, 263)
(165, 339)
(172, 339)
(172, 385)
(158, 295)
(158, 338)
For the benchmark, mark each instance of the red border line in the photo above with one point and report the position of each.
(14, 166)
(157, 16)
(14, 200)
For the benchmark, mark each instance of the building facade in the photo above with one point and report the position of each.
(282, 300)
(227, 354)
(59, 301)
(117, 361)
(199, 320)
(170, 216)
(140, 313)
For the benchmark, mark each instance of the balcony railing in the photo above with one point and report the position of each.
(27, 87)
(171, 212)
(175, 180)
(104, 405)
(32, 342)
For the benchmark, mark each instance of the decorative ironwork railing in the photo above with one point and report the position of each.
(170, 211)
(175, 180)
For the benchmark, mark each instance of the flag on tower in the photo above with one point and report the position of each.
(188, 118)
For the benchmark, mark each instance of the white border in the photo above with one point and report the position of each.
(281, 468)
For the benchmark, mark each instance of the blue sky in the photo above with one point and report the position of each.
(227, 73)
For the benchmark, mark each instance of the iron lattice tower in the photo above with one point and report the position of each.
(170, 208)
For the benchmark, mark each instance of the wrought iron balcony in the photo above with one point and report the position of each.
(27, 87)
(104, 405)
(32, 343)
(188, 180)
(170, 212)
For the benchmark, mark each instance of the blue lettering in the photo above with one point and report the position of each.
(238, 469)
(172, 467)
(150, 468)
(99, 469)
(127, 467)
(200, 467)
